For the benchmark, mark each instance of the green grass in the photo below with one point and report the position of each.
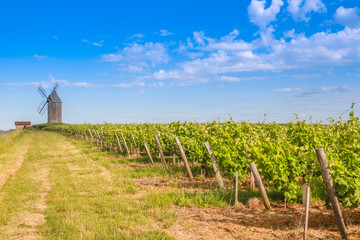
(209, 198)
(87, 200)
(9, 139)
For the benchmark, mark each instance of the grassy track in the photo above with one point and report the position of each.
(60, 192)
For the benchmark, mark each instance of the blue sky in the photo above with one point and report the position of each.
(161, 61)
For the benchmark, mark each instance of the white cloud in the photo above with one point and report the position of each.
(227, 43)
(40, 57)
(127, 85)
(300, 9)
(238, 79)
(263, 17)
(312, 91)
(45, 84)
(65, 83)
(138, 35)
(97, 44)
(200, 38)
(140, 54)
(288, 90)
(164, 32)
(228, 55)
(304, 76)
(133, 69)
(194, 55)
(82, 84)
(349, 17)
(319, 49)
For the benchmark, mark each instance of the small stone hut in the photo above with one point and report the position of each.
(22, 124)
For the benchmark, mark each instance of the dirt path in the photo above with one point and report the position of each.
(12, 167)
(24, 225)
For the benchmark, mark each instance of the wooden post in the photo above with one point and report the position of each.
(216, 167)
(110, 143)
(92, 138)
(330, 190)
(135, 146)
(252, 181)
(203, 170)
(147, 150)
(260, 185)
(86, 137)
(96, 137)
(183, 156)
(126, 147)
(236, 187)
(304, 189)
(101, 143)
(118, 142)
(161, 153)
(307, 200)
(103, 138)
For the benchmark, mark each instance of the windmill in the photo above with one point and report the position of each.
(53, 103)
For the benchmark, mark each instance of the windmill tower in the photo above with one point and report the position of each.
(53, 103)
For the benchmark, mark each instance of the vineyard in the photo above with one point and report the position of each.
(177, 181)
(284, 153)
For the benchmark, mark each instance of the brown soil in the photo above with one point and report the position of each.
(243, 222)
(250, 221)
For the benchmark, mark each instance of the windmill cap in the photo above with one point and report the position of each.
(54, 97)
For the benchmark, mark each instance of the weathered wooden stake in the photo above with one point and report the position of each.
(236, 187)
(101, 143)
(135, 146)
(118, 142)
(260, 185)
(307, 200)
(183, 156)
(86, 137)
(216, 167)
(126, 147)
(96, 137)
(252, 181)
(304, 188)
(147, 150)
(103, 138)
(92, 138)
(330, 190)
(111, 145)
(161, 153)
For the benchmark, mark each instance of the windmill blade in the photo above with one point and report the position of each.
(42, 92)
(43, 112)
(54, 89)
(42, 107)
